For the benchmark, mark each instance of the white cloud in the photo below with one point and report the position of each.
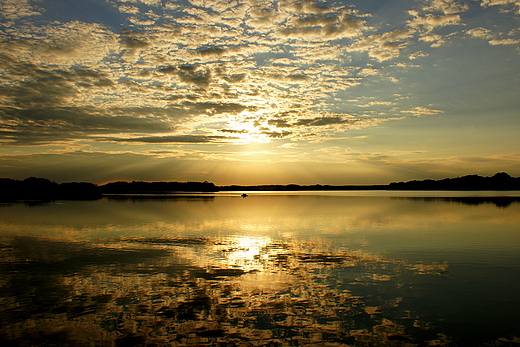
(429, 22)
(181, 67)
(146, 2)
(435, 39)
(63, 44)
(383, 47)
(422, 111)
(480, 32)
(16, 9)
(497, 42)
(369, 72)
(503, 3)
(492, 38)
(128, 9)
(447, 6)
(418, 54)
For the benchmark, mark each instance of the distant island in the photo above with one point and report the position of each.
(499, 181)
(42, 189)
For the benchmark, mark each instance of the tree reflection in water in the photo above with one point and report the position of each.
(245, 291)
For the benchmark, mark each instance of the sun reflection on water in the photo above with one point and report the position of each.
(246, 252)
(239, 290)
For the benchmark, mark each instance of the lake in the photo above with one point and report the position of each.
(350, 268)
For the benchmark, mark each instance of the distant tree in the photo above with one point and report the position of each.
(499, 181)
(79, 191)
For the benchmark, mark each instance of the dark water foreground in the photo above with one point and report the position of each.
(261, 271)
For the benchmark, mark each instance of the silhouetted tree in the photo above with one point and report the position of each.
(499, 181)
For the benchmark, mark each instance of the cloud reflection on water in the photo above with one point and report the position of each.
(197, 291)
(278, 270)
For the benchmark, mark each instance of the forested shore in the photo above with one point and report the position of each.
(42, 189)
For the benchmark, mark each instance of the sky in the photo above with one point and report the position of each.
(259, 92)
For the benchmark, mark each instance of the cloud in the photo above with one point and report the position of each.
(211, 51)
(235, 78)
(422, 111)
(61, 44)
(279, 123)
(38, 109)
(369, 72)
(418, 54)
(324, 121)
(276, 134)
(493, 39)
(437, 14)
(496, 42)
(327, 25)
(300, 124)
(480, 32)
(430, 21)
(507, 4)
(47, 125)
(297, 77)
(377, 103)
(168, 70)
(447, 6)
(233, 131)
(383, 47)
(193, 71)
(436, 40)
(135, 43)
(174, 139)
(194, 74)
(16, 9)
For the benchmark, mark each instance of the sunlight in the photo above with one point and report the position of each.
(247, 129)
(248, 252)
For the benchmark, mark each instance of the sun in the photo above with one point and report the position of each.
(247, 129)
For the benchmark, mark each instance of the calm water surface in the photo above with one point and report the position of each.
(272, 269)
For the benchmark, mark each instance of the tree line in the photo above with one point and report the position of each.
(499, 181)
(42, 189)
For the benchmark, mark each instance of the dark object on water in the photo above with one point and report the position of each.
(244, 195)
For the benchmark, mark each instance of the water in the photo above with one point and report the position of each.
(272, 269)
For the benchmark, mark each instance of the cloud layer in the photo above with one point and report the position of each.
(218, 72)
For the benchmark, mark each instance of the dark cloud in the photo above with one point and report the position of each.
(168, 70)
(96, 167)
(46, 125)
(104, 82)
(194, 74)
(300, 31)
(38, 125)
(232, 131)
(214, 107)
(279, 123)
(314, 20)
(311, 6)
(45, 87)
(175, 139)
(235, 78)
(276, 134)
(211, 51)
(133, 43)
(48, 91)
(36, 106)
(323, 121)
(298, 78)
(347, 25)
(133, 39)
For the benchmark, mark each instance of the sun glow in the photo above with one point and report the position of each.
(247, 132)
(250, 127)
(248, 253)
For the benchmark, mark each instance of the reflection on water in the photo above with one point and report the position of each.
(261, 271)
(499, 201)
